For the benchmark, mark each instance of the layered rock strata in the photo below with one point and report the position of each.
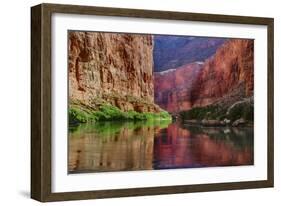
(226, 77)
(111, 68)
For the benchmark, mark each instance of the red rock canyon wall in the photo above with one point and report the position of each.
(114, 68)
(228, 75)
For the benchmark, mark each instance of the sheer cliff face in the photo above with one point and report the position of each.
(113, 68)
(227, 76)
(230, 74)
(173, 87)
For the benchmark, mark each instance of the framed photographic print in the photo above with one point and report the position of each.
(132, 102)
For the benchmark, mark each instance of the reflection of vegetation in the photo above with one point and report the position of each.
(106, 129)
(111, 113)
(242, 110)
(239, 137)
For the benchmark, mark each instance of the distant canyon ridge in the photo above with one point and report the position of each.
(147, 73)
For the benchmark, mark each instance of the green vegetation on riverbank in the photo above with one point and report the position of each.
(244, 110)
(111, 113)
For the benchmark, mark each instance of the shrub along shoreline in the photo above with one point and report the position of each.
(108, 112)
(239, 114)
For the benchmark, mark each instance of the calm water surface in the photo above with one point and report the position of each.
(123, 146)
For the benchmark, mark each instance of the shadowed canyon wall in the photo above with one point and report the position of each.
(113, 68)
(229, 71)
(172, 87)
(227, 76)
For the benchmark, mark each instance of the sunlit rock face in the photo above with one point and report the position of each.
(227, 76)
(113, 68)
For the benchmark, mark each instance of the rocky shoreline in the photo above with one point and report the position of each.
(219, 123)
(221, 114)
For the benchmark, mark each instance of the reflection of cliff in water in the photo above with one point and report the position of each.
(113, 146)
(188, 147)
(124, 146)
